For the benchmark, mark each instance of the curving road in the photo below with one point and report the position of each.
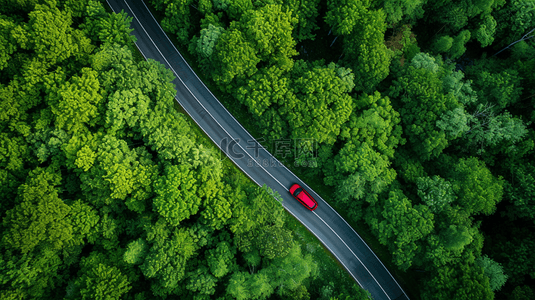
(325, 223)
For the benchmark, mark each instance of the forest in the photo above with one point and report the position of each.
(109, 192)
(420, 111)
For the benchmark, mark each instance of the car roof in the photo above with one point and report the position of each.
(306, 199)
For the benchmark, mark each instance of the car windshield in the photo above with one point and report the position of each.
(297, 191)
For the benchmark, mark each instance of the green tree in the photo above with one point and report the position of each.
(488, 129)
(201, 281)
(8, 46)
(478, 191)
(442, 44)
(502, 89)
(462, 281)
(234, 56)
(343, 16)
(306, 12)
(522, 293)
(237, 286)
(52, 38)
(458, 45)
(207, 41)
(40, 217)
(287, 273)
(423, 103)
(177, 199)
(399, 225)
(100, 281)
(493, 271)
(166, 260)
(84, 220)
(221, 259)
(126, 107)
(359, 173)
(366, 44)
(377, 125)
(455, 238)
(486, 31)
(116, 29)
(327, 90)
(35, 274)
(136, 252)
(269, 30)
(274, 241)
(177, 17)
(397, 10)
(76, 101)
(435, 192)
(120, 174)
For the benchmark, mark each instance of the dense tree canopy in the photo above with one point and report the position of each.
(107, 191)
(417, 115)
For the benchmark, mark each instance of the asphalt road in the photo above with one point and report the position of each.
(325, 223)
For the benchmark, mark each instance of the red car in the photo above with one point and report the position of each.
(302, 196)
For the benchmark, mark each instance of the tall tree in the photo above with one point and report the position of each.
(400, 225)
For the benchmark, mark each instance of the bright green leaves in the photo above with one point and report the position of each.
(306, 12)
(362, 167)
(285, 274)
(85, 158)
(221, 259)
(288, 272)
(343, 16)
(396, 10)
(424, 102)
(80, 150)
(7, 43)
(364, 48)
(201, 282)
(268, 86)
(119, 173)
(217, 208)
(458, 45)
(488, 129)
(269, 29)
(323, 103)
(455, 237)
(377, 125)
(208, 39)
(435, 192)
(234, 57)
(177, 18)
(76, 101)
(177, 199)
(126, 107)
(454, 122)
(135, 252)
(84, 220)
(52, 33)
(399, 225)
(478, 190)
(13, 149)
(503, 88)
(485, 33)
(40, 218)
(166, 261)
(463, 281)
(274, 242)
(359, 173)
(116, 29)
(520, 189)
(101, 281)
